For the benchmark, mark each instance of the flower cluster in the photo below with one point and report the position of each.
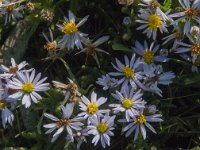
(19, 84)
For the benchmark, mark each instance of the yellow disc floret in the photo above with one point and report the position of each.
(128, 72)
(127, 103)
(141, 119)
(154, 22)
(69, 27)
(2, 104)
(27, 87)
(148, 56)
(102, 127)
(92, 108)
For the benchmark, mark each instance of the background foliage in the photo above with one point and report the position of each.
(23, 40)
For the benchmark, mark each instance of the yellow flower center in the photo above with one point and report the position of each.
(69, 27)
(191, 12)
(128, 72)
(27, 87)
(148, 56)
(63, 121)
(102, 127)
(92, 108)
(10, 8)
(127, 103)
(141, 119)
(154, 22)
(2, 104)
(195, 49)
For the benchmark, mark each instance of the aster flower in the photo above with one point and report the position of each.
(91, 107)
(66, 122)
(27, 85)
(72, 35)
(151, 23)
(92, 47)
(148, 53)
(154, 6)
(130, 102)
(176, 37)
(107, 82)
(138, 124)
(6, 115)
(101, 129)
(69, 90)
(13, 69)
(155, 75)
(11, 8)
(130, 72)
(190, 14)
(193, 48)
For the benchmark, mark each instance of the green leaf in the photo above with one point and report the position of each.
(16, 43)
(166, 5)
(120, 47)
(69, 146)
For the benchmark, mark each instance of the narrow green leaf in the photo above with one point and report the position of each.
(120, 47)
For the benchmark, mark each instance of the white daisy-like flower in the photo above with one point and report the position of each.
(130, 72)
(176, 37)
(193, 48)
(27, 86)
(66, 122)
(107, 82)
(72, 35)
(154, 6)
(138, 124)
(148, 53)
(154, 75)
(190, 14)
(6, 115)
(11, 10)
(151, 23)
(101, 129)
(91, 48)
(130, 102)
(13, 69)
(91, 107)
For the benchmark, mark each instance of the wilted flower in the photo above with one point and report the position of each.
(92, 48)
(125, 2)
